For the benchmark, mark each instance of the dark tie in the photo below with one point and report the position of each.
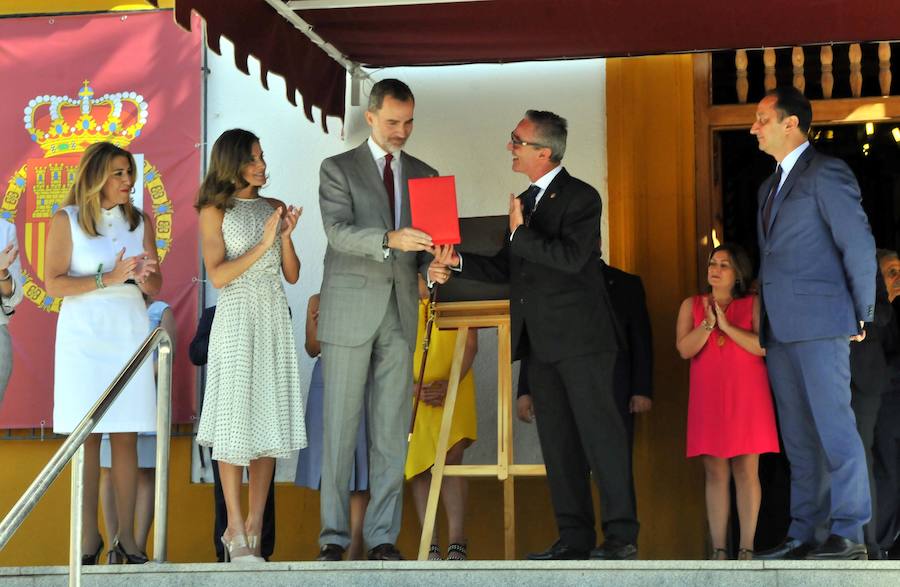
(389, 187)
(529, 198)
(767, 206)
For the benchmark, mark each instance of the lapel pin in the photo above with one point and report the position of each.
(553, 195)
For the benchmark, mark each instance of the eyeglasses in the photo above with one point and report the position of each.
(516, 141)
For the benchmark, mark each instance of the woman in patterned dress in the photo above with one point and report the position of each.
(252, 411)
(101, 256)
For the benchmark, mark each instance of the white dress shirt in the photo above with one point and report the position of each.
(788, 163)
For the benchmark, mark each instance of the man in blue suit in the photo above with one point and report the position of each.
(817, 281)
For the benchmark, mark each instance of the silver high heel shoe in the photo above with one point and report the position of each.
(253, 543)
(237, 550)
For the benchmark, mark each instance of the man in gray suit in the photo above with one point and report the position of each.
(367, 319)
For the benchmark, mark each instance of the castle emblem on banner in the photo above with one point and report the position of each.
(63, 128)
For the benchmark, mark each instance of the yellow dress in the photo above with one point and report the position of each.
(428, 418)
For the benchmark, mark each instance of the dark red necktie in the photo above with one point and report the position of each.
(767, 206)
(389, 187)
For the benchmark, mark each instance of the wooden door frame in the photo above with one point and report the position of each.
(709, 119)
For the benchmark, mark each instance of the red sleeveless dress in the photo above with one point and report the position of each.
(730, 409)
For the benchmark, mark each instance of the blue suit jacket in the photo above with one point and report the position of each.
(817, 261)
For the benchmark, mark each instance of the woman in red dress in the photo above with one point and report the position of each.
(731, 418)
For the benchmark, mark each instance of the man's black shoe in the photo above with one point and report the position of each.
(614, 550)
(331, 553)
(385, 552)
(559, 552)
(839, 548)
(789, 549)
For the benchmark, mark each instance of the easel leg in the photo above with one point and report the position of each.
(440, 456)
(509, 517)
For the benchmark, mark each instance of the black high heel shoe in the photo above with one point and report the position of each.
(127, 558)
(88, 560)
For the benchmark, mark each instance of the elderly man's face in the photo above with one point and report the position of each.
(532, 158)
(890, 271)
(392, 123)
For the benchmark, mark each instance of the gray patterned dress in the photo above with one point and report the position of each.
(252, 406)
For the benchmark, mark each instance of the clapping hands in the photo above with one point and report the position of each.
(289, 220)
(8, 256)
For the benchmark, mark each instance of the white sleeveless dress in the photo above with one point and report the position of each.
(99, 331)
(252, 406)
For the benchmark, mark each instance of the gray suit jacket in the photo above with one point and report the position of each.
(358, 280)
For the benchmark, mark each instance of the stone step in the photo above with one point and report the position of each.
(473, 574)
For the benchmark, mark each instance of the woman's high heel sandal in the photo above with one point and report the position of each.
(237, 550)
(434, 553)
(254, 544)
(745, 554)
(127, 558)
(92, 559)
(457, 552)
(719, 554)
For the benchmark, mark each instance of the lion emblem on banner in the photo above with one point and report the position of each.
(64, 127)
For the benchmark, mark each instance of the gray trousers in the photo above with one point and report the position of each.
(6, 359)
(388, 408)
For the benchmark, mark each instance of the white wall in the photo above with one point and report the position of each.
(463, 118)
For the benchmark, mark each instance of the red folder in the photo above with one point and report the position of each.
(432, 202)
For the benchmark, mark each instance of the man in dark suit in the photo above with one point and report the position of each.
(886, 449)
(633, 374)
(868, 382)
(817, 285)
(549, 260)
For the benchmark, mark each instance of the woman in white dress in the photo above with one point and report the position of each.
(252, 408)
(101, 256)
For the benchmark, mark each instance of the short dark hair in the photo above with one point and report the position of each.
(743, 268)
(789, 101)
(552, 130)
(389, 87)
(882, 254)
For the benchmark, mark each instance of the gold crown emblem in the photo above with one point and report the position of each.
(61, 125)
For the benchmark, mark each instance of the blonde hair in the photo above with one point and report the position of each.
(232, 151)
(94, 170)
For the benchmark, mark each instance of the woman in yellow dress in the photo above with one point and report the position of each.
(463, 430)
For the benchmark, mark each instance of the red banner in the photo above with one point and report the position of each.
(70, 81)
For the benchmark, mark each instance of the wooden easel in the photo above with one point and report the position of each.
(462, 316)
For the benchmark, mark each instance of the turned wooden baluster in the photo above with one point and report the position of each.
(797, 58)
(827, 59)
(884, 68)
(769, 61)
(743, 86)
(855, 70)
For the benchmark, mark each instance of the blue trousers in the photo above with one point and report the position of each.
(829, 478)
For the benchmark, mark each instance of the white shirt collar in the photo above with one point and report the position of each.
(790, 160)
(545, 180)
(378, 152)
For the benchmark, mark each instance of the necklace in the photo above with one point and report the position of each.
(720, 336)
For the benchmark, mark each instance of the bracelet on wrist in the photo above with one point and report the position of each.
(98, 279)
(707, 326)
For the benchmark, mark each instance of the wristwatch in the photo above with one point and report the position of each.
(384, 242)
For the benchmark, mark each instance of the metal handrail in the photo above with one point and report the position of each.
(73, 449)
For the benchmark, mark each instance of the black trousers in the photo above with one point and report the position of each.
(267, 539)
(887, 470)
(865, 408)
(581, 431)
